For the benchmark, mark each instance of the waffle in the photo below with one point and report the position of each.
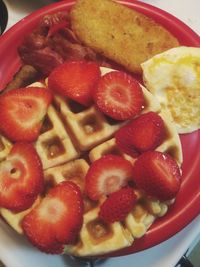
(72, 137)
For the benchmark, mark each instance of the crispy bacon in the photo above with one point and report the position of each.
(44, 59)
(52, 43)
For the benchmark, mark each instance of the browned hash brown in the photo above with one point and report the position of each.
(119, 32)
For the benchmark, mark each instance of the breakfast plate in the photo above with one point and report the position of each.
(186, 207)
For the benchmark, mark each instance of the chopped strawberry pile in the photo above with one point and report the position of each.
(22, 112)
(119, 96)
(107, 175)
(57, 220)
(157, 174)
(117, 206)
(21, 178)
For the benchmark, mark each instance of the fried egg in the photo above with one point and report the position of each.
(174, 78)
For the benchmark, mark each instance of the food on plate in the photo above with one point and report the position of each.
(174, 78)
(22, 112)
(25, 75)
(107, 175)
(57, 219)
(119, 33)
(107, 154)
(76, 80)
(95, 31)
(157, 174)
(119, 96)
(52, 43)
(85, 171)
(118, 205)
(143, 133)
(21, 177)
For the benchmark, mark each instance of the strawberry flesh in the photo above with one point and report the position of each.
(144, 133)
(21, 177)
(75, 80)
(157, 174)
(57, 219)
(22, 112)
(117, 206)
(107, 175)
(119, 96)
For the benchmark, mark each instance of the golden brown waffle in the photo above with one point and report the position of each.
(54, 144)
(73, 137)
(96, 237)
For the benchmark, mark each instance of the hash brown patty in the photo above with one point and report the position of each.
(119, 33)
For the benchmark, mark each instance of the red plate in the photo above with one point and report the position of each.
(187, 205)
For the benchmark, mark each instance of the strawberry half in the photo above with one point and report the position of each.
(57, 219)
(107, 175)
(157, 174)
(117, 206)
(144, 133)
(119, 96)
(22, 112)
(21, 177)
(76, 80)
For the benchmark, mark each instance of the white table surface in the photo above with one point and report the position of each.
(16, 252)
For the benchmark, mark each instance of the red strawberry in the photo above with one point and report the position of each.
(119, 96)
(107, 175)
(22, 112)
(76, 80)
(122, 139)
(117, 206)
(144, 133)
(157, 174)
(56, 220)
(21, 177)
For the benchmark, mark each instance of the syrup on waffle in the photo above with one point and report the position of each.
(70, 140)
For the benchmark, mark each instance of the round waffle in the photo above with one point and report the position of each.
(72, 137)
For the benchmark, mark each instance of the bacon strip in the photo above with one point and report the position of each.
(52, 43)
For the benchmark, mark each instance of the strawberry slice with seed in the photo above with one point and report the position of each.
(76, 80)
(107, 175)
(144, 133)
(119, 96)
(57, 219)
(157, 174)
(22, 112)
(21, 177)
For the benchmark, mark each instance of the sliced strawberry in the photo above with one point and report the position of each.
(117, 206)
(144, 133)
(22, 112)
(21, 177)
(57, 219)
(157, 174)
(76, 80)
(119, 96)
(122, 139)
(107, 175)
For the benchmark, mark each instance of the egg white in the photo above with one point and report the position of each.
(174, 78)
